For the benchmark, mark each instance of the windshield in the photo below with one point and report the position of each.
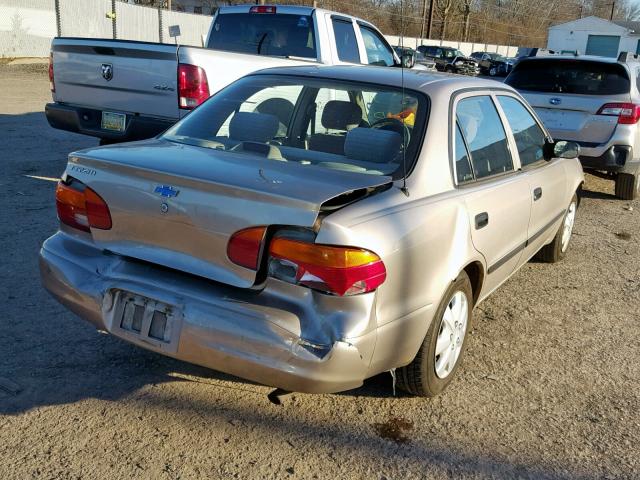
(453, 53)
(264, 34)
(318, 122)
(497, 57)
(570, 76)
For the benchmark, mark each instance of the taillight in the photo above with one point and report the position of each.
(627, 113)
(80, 207)
(263, 9)
(193, 88)
(336, 270)
(52, 83)
(244, 247)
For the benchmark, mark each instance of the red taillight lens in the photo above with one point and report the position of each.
(263, 9)
(336, 270)
(52, 83)
(193, 88)
(244, 247)
(80, 207)
(627, 113)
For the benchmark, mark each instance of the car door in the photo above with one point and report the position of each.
(496, 193)
(546, 178)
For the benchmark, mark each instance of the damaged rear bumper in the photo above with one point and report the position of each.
(283, 335)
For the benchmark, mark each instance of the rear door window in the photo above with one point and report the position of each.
(346, 42)
(378, 52)
(464, 172)
(264, 34)
(581, 77)
(527, 133)
(485, 136)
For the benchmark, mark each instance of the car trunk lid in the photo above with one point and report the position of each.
(181, 214)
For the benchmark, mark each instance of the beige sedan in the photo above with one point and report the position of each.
(309, 227)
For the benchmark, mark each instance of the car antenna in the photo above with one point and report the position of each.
(404, 188)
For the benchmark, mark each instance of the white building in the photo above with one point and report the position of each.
(595, 36)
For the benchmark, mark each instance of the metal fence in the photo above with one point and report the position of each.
(27, 26)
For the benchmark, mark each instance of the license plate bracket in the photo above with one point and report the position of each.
(115, 122)
(144, 321)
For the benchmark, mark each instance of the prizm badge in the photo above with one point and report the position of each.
(166, 191)
(555, 101)
(84, 170)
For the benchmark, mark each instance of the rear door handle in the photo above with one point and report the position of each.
(537, 194)
(482, 220)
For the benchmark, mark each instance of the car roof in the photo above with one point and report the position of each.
(391, 76)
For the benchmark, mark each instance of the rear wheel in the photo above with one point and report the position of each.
(626, 186)
(436, 362)
(556, 250)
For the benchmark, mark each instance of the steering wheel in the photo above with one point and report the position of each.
(394, 125)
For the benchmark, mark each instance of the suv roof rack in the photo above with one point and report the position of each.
(628, 57)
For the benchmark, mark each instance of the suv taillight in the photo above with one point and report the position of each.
(331, 269)
(193, 88)
(52, 83)
(627, 113)
(80, 207)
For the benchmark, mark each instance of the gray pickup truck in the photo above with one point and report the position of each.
(127, 90)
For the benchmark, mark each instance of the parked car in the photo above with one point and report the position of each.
(450, 60)
(414, 59)
(356, 242)
(125, 90)
(593, 101)
(492, 64)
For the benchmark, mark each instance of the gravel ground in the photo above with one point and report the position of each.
(549, 388)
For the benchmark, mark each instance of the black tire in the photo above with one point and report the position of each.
(448, 69)
(493, 71)
(626, 186)
(554, 252)
(419, 377)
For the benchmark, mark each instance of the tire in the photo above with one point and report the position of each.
(626, 186)
(493, 71)
(557, 249)
(426, 376)
(448, 69)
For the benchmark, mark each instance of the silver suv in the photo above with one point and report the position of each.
(594, 101)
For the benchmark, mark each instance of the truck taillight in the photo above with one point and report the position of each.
(52, 83)
(263, 9)
(193, 88)
(627, 113)
(80, 207)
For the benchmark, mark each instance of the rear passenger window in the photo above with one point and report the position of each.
(464, 173)
(528, 135)
(346, 42)
(485, 136)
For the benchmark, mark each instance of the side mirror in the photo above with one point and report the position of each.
(407, 60)
(561, 149)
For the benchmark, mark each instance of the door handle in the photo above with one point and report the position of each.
(537, 194)
(482, 220)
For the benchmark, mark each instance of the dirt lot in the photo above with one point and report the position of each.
(549, 389)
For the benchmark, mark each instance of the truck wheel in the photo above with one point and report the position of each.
(626, 186)
(556, 250)
(439, 356)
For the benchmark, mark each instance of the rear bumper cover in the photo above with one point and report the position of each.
(283, 336)
(618, 158)
(87, 121)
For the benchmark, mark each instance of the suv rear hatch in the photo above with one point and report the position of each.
(569, 95)
(117, 75)
(182, 215)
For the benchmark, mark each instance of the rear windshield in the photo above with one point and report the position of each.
(314, 122)
(570, 76)
(264, 34)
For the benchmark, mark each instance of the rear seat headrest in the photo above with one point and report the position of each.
(253, 127)
(341, 115)
(372, 145)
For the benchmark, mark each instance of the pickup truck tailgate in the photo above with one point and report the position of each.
(116, 75)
